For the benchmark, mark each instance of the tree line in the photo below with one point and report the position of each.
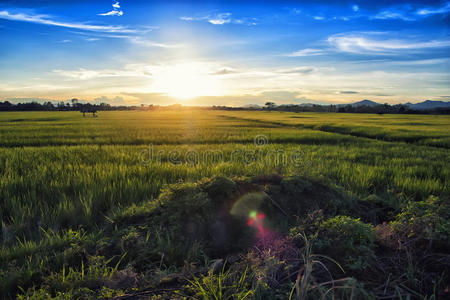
(75, 105)
(72, 105)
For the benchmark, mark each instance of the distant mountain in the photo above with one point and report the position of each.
(254, 106)
(300, 104)
(428, 104)
(365, 103)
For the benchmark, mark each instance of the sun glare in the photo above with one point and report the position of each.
(186, 81)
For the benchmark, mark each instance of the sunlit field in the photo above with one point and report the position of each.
(88, 205)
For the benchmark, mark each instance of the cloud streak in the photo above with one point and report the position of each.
(84, 74)
(115, 12)
(221, 19)
(364, 43)
(48, 20)
(298, 70)
(224, 71)
(408, 12)
(434, 10)
(306, 52)
(392, 14)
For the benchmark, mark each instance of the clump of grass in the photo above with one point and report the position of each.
(306, 285)
(222, 286)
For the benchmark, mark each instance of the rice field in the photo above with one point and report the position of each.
(61, 172)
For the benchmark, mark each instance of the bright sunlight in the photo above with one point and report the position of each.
(186, 81)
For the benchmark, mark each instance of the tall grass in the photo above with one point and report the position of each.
(63, 176)
(81, 180)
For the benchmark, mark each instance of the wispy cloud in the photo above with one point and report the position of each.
(48, 20)
(408, 12)
(116, 11)
(355, 8)
(224, 71)
(112, 13)
(298, 70)
(149, 43)
(134, 70)
(421, 62)
(306, 52)
(295, 11)
(435, 10)
(221, 19)
(392, 14)
(138, 39)
(377, 43)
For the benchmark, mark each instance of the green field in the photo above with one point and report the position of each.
(98, 207)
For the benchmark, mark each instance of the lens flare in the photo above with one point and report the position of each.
(257, 220)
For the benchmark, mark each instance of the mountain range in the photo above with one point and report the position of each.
(427, 104)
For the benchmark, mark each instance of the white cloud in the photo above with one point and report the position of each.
(47, 20)
(319, 18)
(392, 14)
(408, 12)
(420, 62)
(306, 52)
(137, 39)
(220, 19)
(437, 10)
(304, 70)
(355, 8)
(224, 71)
(148, 43)
(83, 74)
(364, 43)
(115, 12)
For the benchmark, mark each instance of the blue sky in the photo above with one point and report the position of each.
(225, 52)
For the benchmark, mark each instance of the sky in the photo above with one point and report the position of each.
(224, 52)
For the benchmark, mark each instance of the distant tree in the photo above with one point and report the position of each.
(270, 105)
(88, 108)
(61, 105)
(48, 105)
(5, 105)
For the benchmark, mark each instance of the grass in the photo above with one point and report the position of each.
(66, 181)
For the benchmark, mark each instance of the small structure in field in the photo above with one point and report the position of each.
(92, 110)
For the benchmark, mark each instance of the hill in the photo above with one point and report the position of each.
(428, 104)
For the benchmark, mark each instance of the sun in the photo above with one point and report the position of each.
(186, 81)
